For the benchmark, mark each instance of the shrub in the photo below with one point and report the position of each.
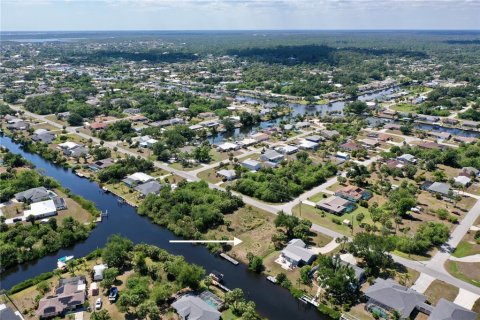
(30, 282)
(336, 221)
(326, 310)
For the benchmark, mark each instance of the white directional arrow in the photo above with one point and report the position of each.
(235, 241)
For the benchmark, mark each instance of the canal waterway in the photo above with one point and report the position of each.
(272, 301)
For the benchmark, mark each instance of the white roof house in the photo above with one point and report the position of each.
(227, 174)
(227, 146)
(141, 177)
(41, 209)
(287, 149)
(462, 180)
(251, 164)
(309, 145)
(68, 145)
(248, 142)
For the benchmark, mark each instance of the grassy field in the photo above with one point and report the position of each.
(439, 289)
(322, 218)
(466, 248)
(466, 271)
(404, 107)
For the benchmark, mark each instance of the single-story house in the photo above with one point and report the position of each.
(471, 124)
(260, 136)
(98, 271)
(330, 134)
(469, 172)
(101, 164)
(68, 296)
(195, 127)
(247, 142)
(407, 158)
(394, 164)
(314, 138)
(227, 174)
(287, 149)
(148, 143)
(350, 146)
(79, 151)
(308, 145)
(68, 145)
(463, 180)
(342, 155)
(33, 195)
(353, 193)
(389, 295)
(439, 188)
(297, 254)
(131, 111)
(430, 145)
(190, 307)
(427, 118)
(228, 146)
(446, 310)
(271, 156)
(18, 125)
(439, 135)
(302, 125)
(336, 205)
(251, 164)
(95, 126)
(41, 209)
(359, 272)
(45, 137)
(137, 178)
(146, 188)
(369, 143)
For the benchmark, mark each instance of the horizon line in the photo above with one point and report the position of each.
(190, 30)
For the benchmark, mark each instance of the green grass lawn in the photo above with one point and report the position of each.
(404, 107)
(317, 197)
(465, 249)
(322, 218)
(453, 269)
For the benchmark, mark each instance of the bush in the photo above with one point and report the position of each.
(337, 221)
(363, 203)
(30, 282)
(326, 310)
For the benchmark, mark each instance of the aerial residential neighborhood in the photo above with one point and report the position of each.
(238, 174)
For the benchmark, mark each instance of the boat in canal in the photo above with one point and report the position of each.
(62, 262)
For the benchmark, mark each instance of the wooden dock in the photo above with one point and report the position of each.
(228, 258)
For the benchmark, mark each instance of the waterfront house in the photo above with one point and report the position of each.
(431, 145)
(101, 164)
(137, 178)
(227, 174)
(353, 193)
(302, 125)
(247, 142)
(297, 254)
(33, 195)
(190, 307)
(336, 205)
(42, 209)
(439, 135)
(470, 124)
(251, 164)
(228, 146)
(429, 119)
(389, 295)
(271, 156)
(43, 136)
(70, 295)
(18, 124)
(149, 187)
(464, 139)
(260, 137)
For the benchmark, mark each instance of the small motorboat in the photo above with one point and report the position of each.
(62, 262)
(272, 279)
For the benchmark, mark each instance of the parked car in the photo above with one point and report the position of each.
(112, 296)
(98, 304)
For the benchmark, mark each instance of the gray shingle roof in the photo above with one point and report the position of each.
(149, 187)
(33, 195)
(446, 310)
(193, 308)
(296, 250)
(395, 296)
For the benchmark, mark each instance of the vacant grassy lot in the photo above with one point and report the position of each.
(404, 107)
(439, 289)
(466, 271)
(325, 219)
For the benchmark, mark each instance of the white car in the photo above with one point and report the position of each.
(98, 304)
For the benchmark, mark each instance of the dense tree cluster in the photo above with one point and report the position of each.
(119, 130)
(123, 167)
(286, 182)
(190, 209)
(24, 242)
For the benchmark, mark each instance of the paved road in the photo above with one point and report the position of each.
(435, 270)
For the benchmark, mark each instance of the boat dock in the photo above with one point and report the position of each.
(309, 299)
(221, 286)
(228, 258)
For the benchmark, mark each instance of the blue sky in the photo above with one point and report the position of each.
(33, 15)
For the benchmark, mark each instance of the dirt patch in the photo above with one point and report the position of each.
(439, 289)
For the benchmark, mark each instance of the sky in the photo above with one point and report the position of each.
(56, 15)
